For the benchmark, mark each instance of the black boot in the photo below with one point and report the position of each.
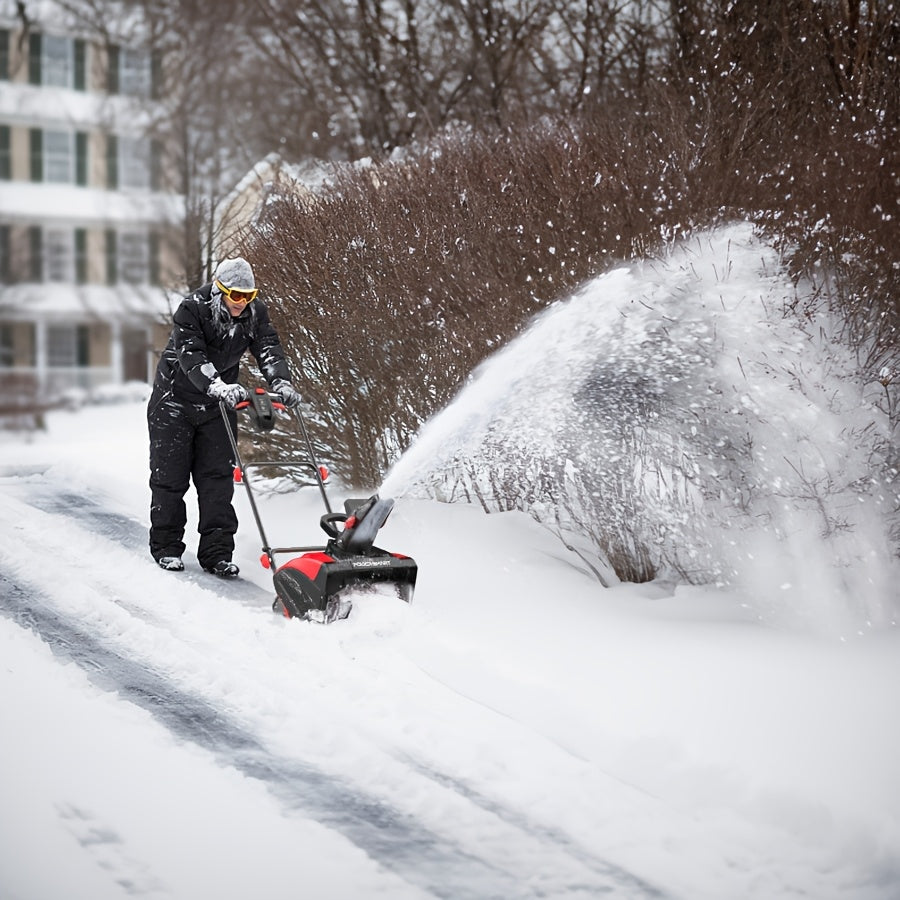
(224, 568)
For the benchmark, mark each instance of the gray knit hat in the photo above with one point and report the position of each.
(235, 273)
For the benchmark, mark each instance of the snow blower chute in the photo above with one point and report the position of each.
(312, 586)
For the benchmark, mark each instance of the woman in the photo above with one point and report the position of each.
(213, 327)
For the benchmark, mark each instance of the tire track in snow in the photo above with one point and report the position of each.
(130, 533)
(397, 842)
(392, 836)
(635, 885)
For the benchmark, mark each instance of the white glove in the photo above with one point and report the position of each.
(289, 396)
(229, 394)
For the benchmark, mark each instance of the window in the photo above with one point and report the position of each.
(59, 157)
(130, 163)
(134, 168)
(68, 346)
(135, 73)
(52, 254)
(134, 257)
(59, 255)
(17, 344)
(62, 345)
(56, 61)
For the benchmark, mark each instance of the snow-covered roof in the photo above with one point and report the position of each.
(269, 177)
(69, 204)
(271, 171)
(34, 105)
(311, 174)
(260, 173)
(54, 301)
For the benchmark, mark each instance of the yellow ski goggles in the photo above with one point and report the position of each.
(236, 295)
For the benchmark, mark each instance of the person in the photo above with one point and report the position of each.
(213, 327)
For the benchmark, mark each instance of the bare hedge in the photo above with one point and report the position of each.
(396, 281)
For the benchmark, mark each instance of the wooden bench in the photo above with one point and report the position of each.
(22, 408)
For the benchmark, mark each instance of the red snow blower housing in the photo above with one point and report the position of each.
(313, 585)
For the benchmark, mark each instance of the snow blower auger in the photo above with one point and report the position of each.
(312, 586)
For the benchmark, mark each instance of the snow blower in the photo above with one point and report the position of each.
(315, 585)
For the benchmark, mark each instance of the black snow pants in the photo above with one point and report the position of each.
(190, 443)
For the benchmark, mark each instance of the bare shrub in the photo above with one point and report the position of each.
(400, 278)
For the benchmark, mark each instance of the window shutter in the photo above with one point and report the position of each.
(111, 255)
(154, 276)
(81, 158)
(36, 254)
(112, 162)
(5, 267)
(83, 346)
(81, 256)
(156, 75)
(4, 54)
(5, 159)
(112, 72)
(34, 59)
(79, 80)
(7, 346)
(36, 140)
(155, 165)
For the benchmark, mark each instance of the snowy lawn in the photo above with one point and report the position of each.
(518, 731)
(670, 735)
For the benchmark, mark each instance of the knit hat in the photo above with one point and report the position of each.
(235, 273)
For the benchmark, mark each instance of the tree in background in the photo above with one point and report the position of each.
(374, 75)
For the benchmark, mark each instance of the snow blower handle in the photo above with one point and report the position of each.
(261, 408)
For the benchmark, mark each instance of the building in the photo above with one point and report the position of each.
(272, 178)
(86, 222)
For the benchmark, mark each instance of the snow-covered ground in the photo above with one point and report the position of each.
(518, 731)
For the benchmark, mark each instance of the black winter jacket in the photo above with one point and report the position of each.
(204, 347)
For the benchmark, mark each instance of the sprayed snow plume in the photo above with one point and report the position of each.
(690, 418)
